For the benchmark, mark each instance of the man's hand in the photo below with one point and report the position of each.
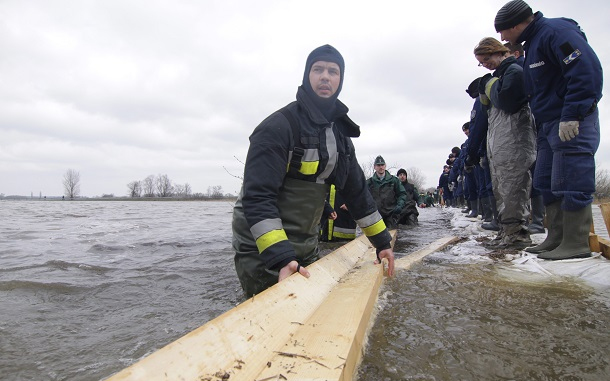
(291, 268)
(333, 215)
(389, 255)
(568, 130)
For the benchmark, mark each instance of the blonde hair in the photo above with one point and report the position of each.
(490, 45)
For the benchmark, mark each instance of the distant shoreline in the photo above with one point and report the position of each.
(24, 198)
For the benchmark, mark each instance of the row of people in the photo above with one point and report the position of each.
(396, 199)
(536, 116)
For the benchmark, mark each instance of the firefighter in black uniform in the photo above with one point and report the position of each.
(295, 154)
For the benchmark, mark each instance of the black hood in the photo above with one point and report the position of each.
(329, 54)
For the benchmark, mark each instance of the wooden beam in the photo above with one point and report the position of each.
(605, 207)
(406, 262)
(235, 342)
(313, 328)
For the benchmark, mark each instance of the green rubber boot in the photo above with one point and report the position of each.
(554, 221)
(575, 242)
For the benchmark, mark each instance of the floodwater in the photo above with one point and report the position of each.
(88, 288)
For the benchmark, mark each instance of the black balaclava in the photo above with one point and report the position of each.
(329, 54)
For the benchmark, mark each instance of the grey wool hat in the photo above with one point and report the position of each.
(379, 160)
(512, 14)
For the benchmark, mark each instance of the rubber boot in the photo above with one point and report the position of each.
(467, 208)
(554, 221)
(575, 242)
(493, 224)
(487, 213)
(537, 212)
(474, 209)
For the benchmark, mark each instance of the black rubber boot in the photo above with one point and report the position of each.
(467, 209)
(575, 242)
(487, 213)
(537, 212)
(554, 221)
(474, 209)
(493, 224)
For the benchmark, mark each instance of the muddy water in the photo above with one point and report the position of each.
(88, 288)
(457, 318)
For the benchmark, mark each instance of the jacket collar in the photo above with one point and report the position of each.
(531, 29)
(347, 126)
(504, 65)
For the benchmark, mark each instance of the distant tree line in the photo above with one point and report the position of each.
(162, 186)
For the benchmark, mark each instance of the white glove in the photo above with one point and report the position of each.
(568, 130)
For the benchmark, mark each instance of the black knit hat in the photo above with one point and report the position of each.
(512, 14)
(473, 88)
(401, 170)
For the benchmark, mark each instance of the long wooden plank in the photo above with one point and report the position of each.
(303, 328)
(329, 346)
(409, 260)
(605, 208)
(235, 342)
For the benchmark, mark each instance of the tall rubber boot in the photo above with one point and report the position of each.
(474, 209)
(493, 224)
(554, 221)
(487, 214)
(468, 208)
(575, 242)
(537, 212)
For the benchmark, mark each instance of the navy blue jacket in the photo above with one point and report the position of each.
(563, 76)
(478, 131)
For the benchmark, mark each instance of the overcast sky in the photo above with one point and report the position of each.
(120, 90)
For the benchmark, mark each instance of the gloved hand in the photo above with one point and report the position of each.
(483, 82)
(568, 130)
(397, 210)
(451, 186)
(460, 178)
(471, 161)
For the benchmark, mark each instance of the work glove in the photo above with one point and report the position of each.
(568, 130)
(451, 186)
(460, 178)
(471, 161)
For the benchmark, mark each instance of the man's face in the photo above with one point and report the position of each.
(466, 131)
(380, 169)
(402, 177)
(512, 34)
(324, 78)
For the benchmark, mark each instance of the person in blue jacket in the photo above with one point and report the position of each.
(443, 187)
(563, 82)
(476, 158)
